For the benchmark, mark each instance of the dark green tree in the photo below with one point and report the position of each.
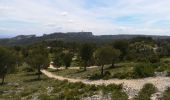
(104, 55)
(86, 54)
(38, 59)
(142, 52)
(163, 49)
(58, 59)
(7, 62)
(116, 55)
(67, 59)
(122, 45)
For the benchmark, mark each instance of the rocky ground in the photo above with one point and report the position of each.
(131, 86)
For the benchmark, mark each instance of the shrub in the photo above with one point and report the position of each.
(73, 91)
(120, 75)
(95, 76)
(166, 95)
(26, 68)
(163, 66)
(76, 85)
(107, 75)
(28, 92)
(44, 97)
(112, 87)
(144, 70)
(167, 61)
(92, 88)
(66, 95)
(154, 59)
(119, 95)
(116, 91)
(146, 92)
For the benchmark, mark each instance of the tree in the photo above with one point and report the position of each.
(86, 54)
(7, 63)
(139, 51)
(148, 40)
(58, 59)
(163, 49)
(116, 55)
(38, 59)
(104, 55)
(122, 45)
(67, 59)
(19, 58)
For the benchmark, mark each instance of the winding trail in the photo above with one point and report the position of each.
(131, 86)
(62, 68)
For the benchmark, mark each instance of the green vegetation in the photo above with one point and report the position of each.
(67, 59)
(24, 85)
(166, 94)
(144, 70)
(121, 45)
(94, 73)
(38, 59)
(105, 55)
(126, 70)
(8, 61)
(86, 53)
(146, 92)
(139, 57)
(58, 59)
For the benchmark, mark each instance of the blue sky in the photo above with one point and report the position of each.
(150, 17)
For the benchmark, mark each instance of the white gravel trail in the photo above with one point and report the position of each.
(62, 68)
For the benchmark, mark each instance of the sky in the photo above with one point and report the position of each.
(150, 17)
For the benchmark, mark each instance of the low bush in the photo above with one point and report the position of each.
(119, 95)
(154, 59)
(26, 68)
(107, 75)
(73, 91)
(110, 88)
(166, 95)
(95, 76)
(127, 75)
(144, 70)
(44, 97)
(28, 92)
(166, 60)
(49, 89)
(161, 69)
(146, 92)
(116, 91)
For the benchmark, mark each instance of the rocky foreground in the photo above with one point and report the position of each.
(131, 86)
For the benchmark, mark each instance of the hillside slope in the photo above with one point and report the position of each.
(68, 37)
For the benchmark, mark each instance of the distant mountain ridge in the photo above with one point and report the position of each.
(69, 37)
(19, 37)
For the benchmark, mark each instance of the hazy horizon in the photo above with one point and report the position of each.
(14, 35)
(102, 17)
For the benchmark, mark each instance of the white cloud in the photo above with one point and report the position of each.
(73, 15)
(64, 13)
(70, 21)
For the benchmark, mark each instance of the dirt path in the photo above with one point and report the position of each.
(61, 68)
(131, 87)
